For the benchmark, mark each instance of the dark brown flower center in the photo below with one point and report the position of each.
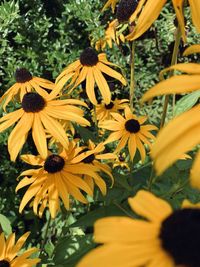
(132, 126)
(110, 105)
(121, 158)
(33, 102)
(22, 75)
(89, 57)
(125, 9)
(180, 236)
(88, 159)
(4, 263)
(54, 163)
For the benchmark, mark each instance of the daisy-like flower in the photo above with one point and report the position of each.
(25, 83)
(111, 35)
(129, 129)
(40, 112)
(104, 111)
(10, 255)
(148, 11)
(111, 3)
(90, 67)
(121, 162)
(94, 159)
(166, 238)
(58, 177)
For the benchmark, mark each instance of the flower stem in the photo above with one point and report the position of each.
(132, 80)
(45, 235)
(173, 62)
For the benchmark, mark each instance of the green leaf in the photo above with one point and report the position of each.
(5, 224)
(186, 102)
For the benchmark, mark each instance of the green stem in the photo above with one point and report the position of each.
(121, 208)
(151, 179)
(45, 235)
(173, 62)
(132, 80)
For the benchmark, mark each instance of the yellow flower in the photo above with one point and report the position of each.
(148, 11)
(90, 67)
(121, 162)
(58, 177)
(25, 83)
(94, 159)
(111, 35)
(104, 111)
(166, 238)
(9, 252)
(40, 112)
(129, 129)
(177, 84)
(177, 137)
(111, 3)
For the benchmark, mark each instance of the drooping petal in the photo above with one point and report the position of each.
(148, 15)
(195, 10)
(192, 49)
(151, 207)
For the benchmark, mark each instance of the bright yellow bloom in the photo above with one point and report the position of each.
(9, 252)
(179, 136)
(94, 159)
(25, 83)
(111, 3)
(166, 238)
(177, 84)
(148, 11)
(89, 67)
(129, 129)
(59, 176)
(104, 111)
(40, 112)
(121, 162)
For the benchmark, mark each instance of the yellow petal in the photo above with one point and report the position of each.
(195, 172)
(124, 230)
(179, 136)
(102, 84)
(148, 15)
(39, 136)
(175, 85)
(192, 49)
(195, 10)
(90, 86)
(149, 206)
(178, 6)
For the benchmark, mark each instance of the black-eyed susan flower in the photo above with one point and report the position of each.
(90, 67)
(111, 35)
(40, 112)
(129, 130)
(58, 177)
(148, 11)
(177, 137)
(177, 84)
(94, 159)
(111, 3)
(25, 83)
(166, 238)
(10, 255)
(104, 111)
(121, 162)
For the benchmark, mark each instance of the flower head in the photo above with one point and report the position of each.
(25, 83)
(104, 111)
(89, 67)
(129, 129)
(58, 177)
(165, 238)
(9, 252)
(148, 11)
(40, 112)
(94, 159)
